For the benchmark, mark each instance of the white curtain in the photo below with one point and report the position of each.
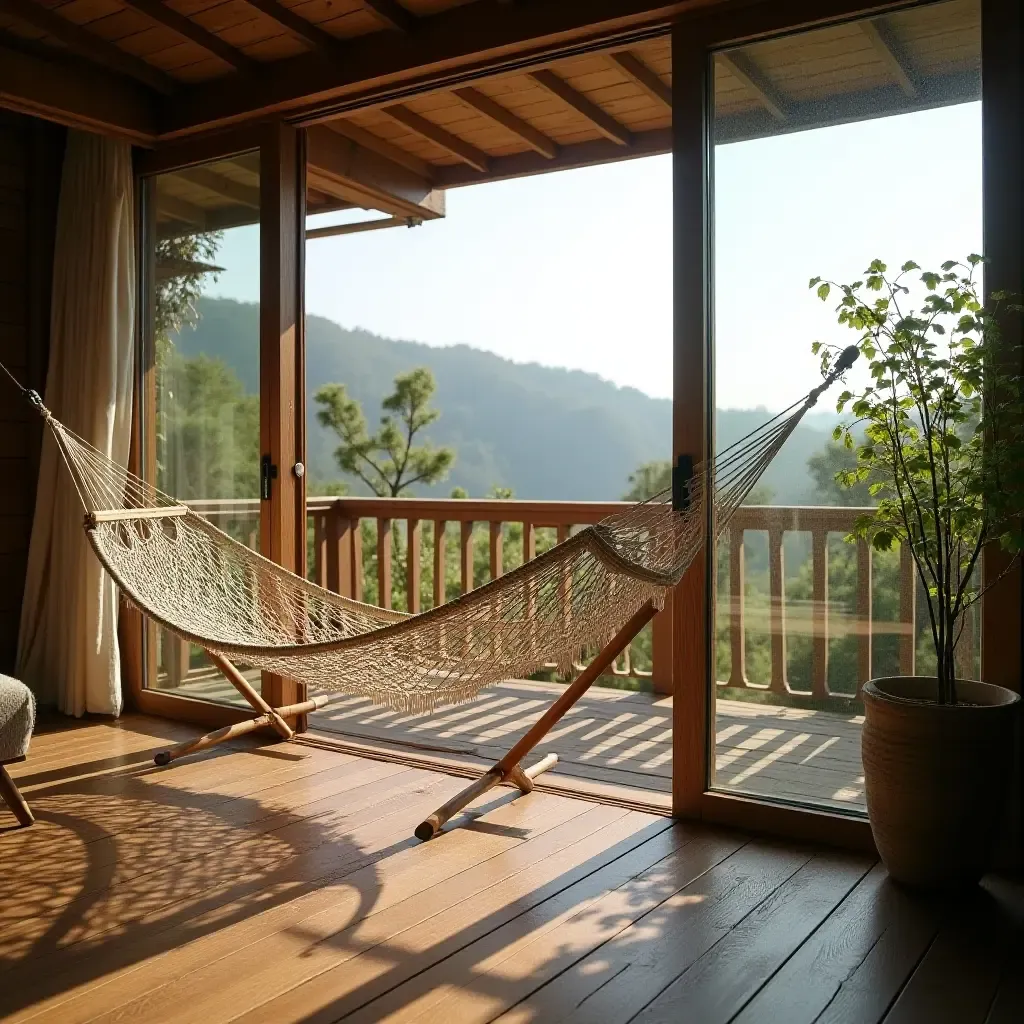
(67, 647)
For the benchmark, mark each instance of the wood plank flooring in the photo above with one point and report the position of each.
(615, 739)
(281, 883)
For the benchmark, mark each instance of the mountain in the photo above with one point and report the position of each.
(547, 433)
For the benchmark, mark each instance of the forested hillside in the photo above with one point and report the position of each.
(543, 432)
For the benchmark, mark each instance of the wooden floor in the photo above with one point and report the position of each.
(281, 883)
(617, 740)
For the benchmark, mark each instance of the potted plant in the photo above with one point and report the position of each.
(947, 469)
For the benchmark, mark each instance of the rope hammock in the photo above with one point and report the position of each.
(213, 591)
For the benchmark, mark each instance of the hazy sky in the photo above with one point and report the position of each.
(574, 269)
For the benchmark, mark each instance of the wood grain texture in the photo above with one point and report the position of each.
(141, 895)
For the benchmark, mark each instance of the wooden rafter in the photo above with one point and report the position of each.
(321, 41)
(392, 14)
(87, 45)
(181, 209)
(744, 70)
(227, 188)
(881, 39)
(483, 104)
(188, 29)
(464, 151)
(345, 170)
(580, 154)
(38, 81)
(643, 76)
(602, 121)
(486, 35)
(386, 149)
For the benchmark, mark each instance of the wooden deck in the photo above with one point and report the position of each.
(623, 739)
(615, 740)
(281, 883)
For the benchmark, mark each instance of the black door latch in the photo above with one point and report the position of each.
(268, 473)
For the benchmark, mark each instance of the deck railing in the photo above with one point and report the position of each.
(337, 563)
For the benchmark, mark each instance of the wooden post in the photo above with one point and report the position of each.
(496, 552)
(466, 557)
(908, 612)
(413, 568)
(384, 563)
(777, 597)
(737, 607)
(282, 384)
(819, 614)
(865, 613)
(661, 648)
(439, 563)
(692, 422)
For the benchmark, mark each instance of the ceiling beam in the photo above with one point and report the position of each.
(392, 14)
(884, 45)
(590, 111)
(468, 39)
(636, 70)
(358, 227)
(580, 154)
(386, 149)
(87, 45)
(483, 104)
(188, 29)
(464, 151)
(340, 167)
(38, 81)
(180, 209)
(320, 40)
(744, 70)
(226, 188)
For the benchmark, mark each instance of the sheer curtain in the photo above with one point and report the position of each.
(67, 647)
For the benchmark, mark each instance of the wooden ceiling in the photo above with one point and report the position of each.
(602, 93)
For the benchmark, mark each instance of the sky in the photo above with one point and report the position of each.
(574, 268)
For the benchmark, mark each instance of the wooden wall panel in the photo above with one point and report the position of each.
(30, 155)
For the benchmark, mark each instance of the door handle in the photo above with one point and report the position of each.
(268, 473)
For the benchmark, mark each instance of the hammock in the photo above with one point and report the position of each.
(213, 591)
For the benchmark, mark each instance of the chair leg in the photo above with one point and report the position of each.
(508, 768)
(13, 798)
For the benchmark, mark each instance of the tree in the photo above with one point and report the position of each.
(945, 466)
(653, 478)
(182, 263)
(390, 461)
(826, 468)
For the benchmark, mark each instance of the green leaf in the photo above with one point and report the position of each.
(823, 290)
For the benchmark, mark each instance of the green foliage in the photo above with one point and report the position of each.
(208, 429)
(653, 478)
(946, 468)
(389, 462)
(649, 479)
(182, 263)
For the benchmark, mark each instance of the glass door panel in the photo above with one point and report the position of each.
(832, 147)
(201, 406)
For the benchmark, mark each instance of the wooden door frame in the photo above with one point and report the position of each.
(282, 383)
(695, 39)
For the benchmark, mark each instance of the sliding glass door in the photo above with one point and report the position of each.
(219, 422)
(831, 148)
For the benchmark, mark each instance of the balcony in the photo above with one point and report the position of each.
(782, 731)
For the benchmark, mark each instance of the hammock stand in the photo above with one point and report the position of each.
(212, 591)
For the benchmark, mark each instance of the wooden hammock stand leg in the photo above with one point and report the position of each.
(274, 717)
(508, 769)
